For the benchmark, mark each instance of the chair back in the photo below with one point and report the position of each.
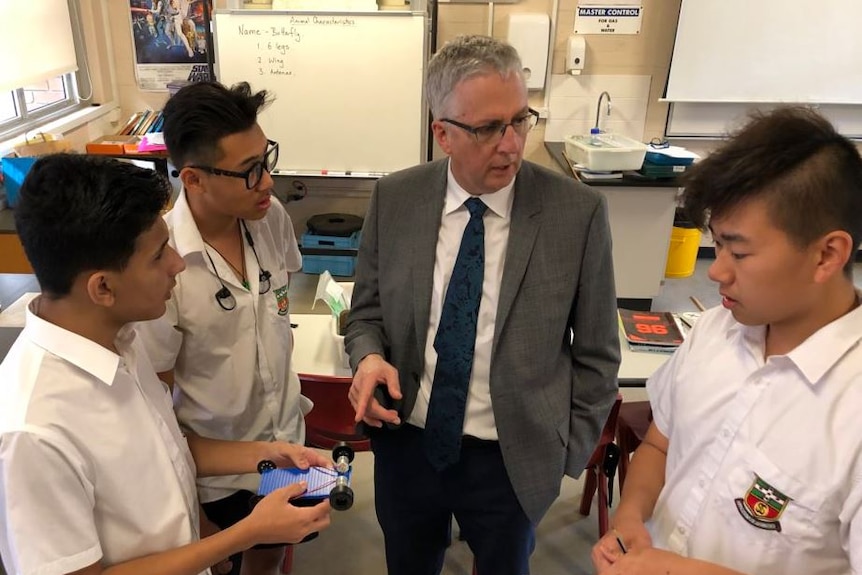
(608, 435)
(331, 420)
(600, 470)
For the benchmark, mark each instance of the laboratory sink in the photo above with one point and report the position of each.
(606, 152)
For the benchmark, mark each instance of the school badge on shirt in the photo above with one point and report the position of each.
(282, 300)
(762, 505)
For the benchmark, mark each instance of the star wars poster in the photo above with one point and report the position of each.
(169, 40)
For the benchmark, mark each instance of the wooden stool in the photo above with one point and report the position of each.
(632, 423)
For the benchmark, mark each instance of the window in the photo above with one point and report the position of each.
(44, 85)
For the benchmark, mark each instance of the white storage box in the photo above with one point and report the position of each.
(606, 152)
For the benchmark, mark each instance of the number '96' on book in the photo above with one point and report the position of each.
(650, 328)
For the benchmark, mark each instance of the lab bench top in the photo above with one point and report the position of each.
(629, 179)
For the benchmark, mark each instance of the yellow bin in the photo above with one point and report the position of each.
(682, 251)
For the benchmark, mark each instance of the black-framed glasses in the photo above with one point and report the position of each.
(252, 175)
(492, 133)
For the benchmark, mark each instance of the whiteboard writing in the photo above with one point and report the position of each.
(347, 87)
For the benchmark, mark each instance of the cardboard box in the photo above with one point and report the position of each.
(114, 145)
(41, 145)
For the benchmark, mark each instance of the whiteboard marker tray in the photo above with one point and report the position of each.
(606, 152)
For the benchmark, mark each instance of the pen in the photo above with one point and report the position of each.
(620, 542)
(697, 303)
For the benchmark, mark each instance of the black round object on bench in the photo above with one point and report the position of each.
(338, 225)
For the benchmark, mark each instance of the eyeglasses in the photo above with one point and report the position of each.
(659, 143)
(224, 297)
(252, 175)
(492, 133)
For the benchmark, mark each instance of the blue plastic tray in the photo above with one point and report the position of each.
(665, 160)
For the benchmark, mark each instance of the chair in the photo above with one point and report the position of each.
(600, 466)
(329, 423)
(632, 424)
(331, 420)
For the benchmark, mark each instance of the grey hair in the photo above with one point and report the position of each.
(463, 58)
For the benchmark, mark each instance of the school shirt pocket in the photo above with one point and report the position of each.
(774, 512)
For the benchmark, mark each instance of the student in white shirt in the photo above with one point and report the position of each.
(95, 474)
(752, 463)
(225, 341)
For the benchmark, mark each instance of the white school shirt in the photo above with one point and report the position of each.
(764, 467)
(479, 414)
(231, 368)
(93, 466)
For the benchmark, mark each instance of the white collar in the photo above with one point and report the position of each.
(499, 202)
(81, 352)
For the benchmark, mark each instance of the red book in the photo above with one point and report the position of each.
(650, 329)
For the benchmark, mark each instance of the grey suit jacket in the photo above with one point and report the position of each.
(555, 353)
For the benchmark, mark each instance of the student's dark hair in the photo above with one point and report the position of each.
(201, 114)
(78, 213)
(810, 176)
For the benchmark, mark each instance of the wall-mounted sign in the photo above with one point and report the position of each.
(608, 19)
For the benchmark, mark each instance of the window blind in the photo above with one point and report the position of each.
(732, 55)
(36, 43)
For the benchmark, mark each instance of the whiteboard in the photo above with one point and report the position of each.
(348, 87)
(710, 119)
(730, 54)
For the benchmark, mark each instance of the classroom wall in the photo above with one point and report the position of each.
(628, 58)
(645, 54)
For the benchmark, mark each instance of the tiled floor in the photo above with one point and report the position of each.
(354, 545)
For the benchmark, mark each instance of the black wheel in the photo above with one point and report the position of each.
(342, 450)
(265, 465)
(341, 497)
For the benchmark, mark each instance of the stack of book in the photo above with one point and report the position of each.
(141, 127)
(140, 123)
(582, 173)
(590, 175)
(651, 330)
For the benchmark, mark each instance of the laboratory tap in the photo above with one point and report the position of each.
(599, 107)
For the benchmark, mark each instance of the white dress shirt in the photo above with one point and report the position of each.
(231, 368)
(479, 415)
(93, 466)
(744, 432)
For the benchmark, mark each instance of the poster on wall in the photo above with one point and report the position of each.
(169, 40)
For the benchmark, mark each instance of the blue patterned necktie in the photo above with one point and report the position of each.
(454, 343)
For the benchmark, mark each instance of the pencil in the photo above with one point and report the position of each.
(697, 303)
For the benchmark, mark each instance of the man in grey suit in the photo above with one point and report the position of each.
(534, 334)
